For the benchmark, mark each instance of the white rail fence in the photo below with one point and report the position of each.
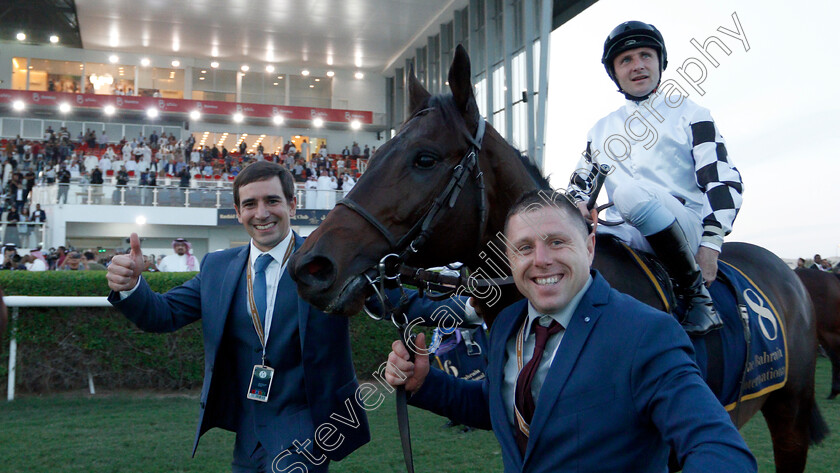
(16, 302)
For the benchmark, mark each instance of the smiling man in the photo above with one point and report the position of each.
(275, 368)
(580, 377)
(672, 181)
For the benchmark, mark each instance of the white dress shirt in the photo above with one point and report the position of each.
(511, 370)
(273, 273)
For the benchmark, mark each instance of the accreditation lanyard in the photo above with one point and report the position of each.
(524, 427)
(252, 305)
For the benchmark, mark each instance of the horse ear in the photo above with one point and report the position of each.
(417, 94)
(460, 83)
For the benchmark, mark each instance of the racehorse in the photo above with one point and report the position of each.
(415, 201)
(824, 289)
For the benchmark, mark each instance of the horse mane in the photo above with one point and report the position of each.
(452, 117)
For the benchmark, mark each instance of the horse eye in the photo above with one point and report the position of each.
(424, 161)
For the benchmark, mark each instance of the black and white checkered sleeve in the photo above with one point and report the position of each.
(580, 183)
(717, 177)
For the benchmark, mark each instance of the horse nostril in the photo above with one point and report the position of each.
(318, 271)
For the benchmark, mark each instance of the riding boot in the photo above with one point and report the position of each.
(672, 249)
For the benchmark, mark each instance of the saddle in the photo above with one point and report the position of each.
(747, 357)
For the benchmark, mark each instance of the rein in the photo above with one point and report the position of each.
(391, 266)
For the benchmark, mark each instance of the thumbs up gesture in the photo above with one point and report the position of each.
(124, 270)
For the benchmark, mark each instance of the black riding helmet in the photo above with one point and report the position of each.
(632, 35)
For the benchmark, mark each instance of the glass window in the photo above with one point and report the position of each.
(114, 132)
(252, 87)
(499, 88)
(481, 94)
(517, 24)
(275, 89)
(19, 65)
(518, 79)
(11, 126)
(161, 82)
(55, 76)
(310, 91)
(109, 79)
(213, 84)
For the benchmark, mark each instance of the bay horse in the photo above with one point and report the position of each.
(824, 289)
(414, 200)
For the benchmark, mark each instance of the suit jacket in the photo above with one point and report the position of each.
(330, 379)
(622, 389)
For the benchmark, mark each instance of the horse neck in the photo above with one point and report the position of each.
(505, 179)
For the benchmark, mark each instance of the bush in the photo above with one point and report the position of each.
(59, 347)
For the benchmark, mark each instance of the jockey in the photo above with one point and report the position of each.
(671, 180)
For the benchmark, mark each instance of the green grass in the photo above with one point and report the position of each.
(147, 432)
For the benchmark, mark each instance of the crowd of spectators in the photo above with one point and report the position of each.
(823, 264)
(91, 158)
(66, 259)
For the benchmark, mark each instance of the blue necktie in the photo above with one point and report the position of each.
(259, 284)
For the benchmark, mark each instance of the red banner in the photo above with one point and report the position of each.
(128, 102)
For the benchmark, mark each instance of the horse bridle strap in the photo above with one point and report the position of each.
(420, 231)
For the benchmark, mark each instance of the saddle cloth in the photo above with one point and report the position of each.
(738, 364)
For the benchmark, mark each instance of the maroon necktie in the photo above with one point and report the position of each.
(524, 400)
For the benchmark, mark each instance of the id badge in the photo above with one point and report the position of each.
(260, 383)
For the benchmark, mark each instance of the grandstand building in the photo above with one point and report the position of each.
(185, 80)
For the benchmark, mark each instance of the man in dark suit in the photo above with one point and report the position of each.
(277, 372)
(601, 382)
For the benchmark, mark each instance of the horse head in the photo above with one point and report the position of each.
(426, 166)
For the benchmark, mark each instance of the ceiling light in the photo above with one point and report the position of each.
(145, 62)
(204, 71)
(64, 107)
(244, 68)
(355, 124)
(269, 68)
(176, 63)
(237, 117)
(214, 64)
(329, 60)
(113, 58)
(304, 72)
(18, 105)
(140, 220)
(318, 122)
(21, 36)
(195, 115)
(317, 80)
(276, 83)
(311, 86)
(359, 75)
(54, 39)
(277, 119)
(201, 78)
(109, 110)
(152, 113)
(330, 73)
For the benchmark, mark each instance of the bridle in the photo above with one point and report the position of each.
(389, 267)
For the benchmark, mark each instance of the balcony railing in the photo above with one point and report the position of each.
(23, 234)
(211, 195)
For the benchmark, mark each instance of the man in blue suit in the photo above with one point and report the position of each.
(277, 372)
(580, 377)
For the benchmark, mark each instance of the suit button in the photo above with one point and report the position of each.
(586, 319)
